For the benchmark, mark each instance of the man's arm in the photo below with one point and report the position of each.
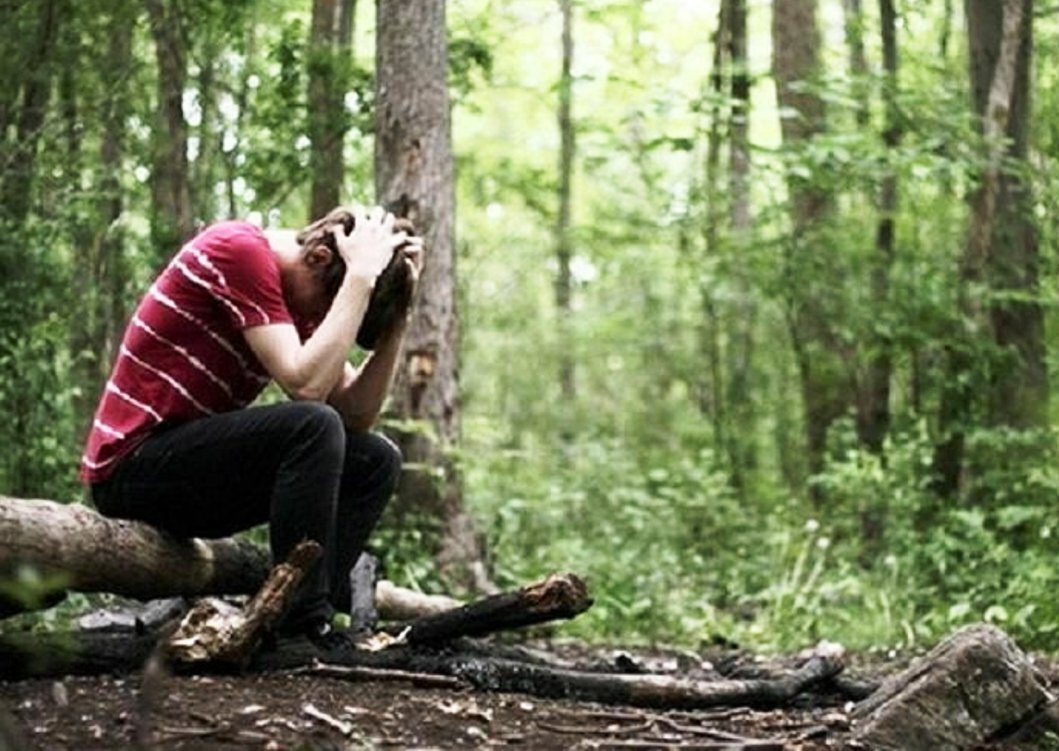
(312, 370)
(360, 395)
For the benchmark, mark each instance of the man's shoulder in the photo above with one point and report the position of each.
(232, 233)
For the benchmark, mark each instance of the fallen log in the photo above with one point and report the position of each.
(639, 690)
(90, 553)
(559, 596)
(87, 552)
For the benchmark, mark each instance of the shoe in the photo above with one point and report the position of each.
(330, 640)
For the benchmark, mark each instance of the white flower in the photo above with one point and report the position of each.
(812, 525)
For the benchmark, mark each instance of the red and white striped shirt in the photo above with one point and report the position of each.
(184, 355)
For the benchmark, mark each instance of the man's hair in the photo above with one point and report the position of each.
(392, 294)
(321, 232)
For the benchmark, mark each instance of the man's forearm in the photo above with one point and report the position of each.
(359, 398)
(323, 356)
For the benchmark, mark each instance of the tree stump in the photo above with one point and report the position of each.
(970, 689)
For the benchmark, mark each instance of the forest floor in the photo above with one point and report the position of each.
(284, 711)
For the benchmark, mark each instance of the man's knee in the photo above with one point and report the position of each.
(375, 455)
(318, 429)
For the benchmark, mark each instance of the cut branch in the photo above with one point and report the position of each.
(559, 596)
(208, 634)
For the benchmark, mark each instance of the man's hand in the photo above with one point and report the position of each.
(370, 246)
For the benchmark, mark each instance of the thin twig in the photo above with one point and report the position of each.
(350, 672)
(595, 730)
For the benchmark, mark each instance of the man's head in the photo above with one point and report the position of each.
(392, 294)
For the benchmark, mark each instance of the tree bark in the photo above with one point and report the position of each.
(563, 240)
(558, 596)
(172, 221)
(90, 553)
(18, 167)
(873, 407)
(414, 174)
(212, 636)
(811, 275)
(741, 443)
(1001, 249)
(329, 57)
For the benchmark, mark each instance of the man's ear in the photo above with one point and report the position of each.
(318, 257)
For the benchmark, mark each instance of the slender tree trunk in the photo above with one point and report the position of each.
(711, 396)
(873, 409)
(18, 169)
(330, 52)
(172, 220)
(563, 240)
(111, 268)
(822, 360)
(858, 60)
(205, 167)
(242, 98)
(1000, 44)
(414, 174)
(873, 404)
(946, 30)
(742, 442)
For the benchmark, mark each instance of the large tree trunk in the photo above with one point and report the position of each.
(563, 244)
(329, 56)
(811, 272)
(414, 174)
(1001, 249)
(171, 215)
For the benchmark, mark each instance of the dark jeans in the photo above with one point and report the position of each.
(293, 465)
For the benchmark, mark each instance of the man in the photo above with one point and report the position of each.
(174, 442)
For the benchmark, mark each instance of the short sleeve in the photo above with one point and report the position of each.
(247, 276)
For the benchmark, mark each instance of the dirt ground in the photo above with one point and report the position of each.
(284, 711)
(303, 712)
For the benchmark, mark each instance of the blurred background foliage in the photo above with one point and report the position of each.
(696, 514)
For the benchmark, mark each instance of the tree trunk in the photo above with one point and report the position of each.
(873, 408)
(329, 56)
(711, 392)
(414, 174)
(1019, 387)
(742, 443)
(99, 264)
(858, 60)
(16, 193)
(1000, 42)
(811, 275)
(563, 244)
(172, 222)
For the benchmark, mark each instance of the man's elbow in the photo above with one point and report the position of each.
(359, 423)
(307, 392)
